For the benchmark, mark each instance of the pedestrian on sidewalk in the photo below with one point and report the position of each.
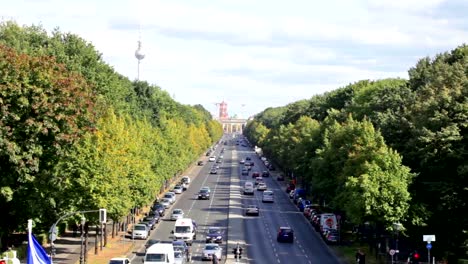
(360, 257)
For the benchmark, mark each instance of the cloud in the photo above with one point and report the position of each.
(249, 54)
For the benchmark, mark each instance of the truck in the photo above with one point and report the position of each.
(160, 253)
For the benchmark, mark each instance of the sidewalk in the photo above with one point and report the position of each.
(68, 249)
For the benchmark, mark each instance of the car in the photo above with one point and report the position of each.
(261, 186)
(241, 161)
(151, 220)
(249, 188)
(255, 174)
(280, 177)
(178, 189)
(177, 214)
(151, 242)
(214, 235)
(271, 167)
(258, 180)
(180, 245)
(140, 231)
(200, 163)
(265, 174)
(248, 158)
(212, 250)
(213, 171)
(170, 196)
(185, 179)
(290, 187)
(212, 159)
(245, 171)
(268, 197)
(203, 194)
(179, 256)
(166, 202)
(159, 208)
(206, 188)
(332, 236)
(285, 234)
(219, 160)
(302, 204)
(252, 210)
(116, 261)
(184, 185)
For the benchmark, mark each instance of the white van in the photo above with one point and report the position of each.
(327, 221)
(159, 253)
(185, 229)
(248, 188)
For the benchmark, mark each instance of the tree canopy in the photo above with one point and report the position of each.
(384, 151)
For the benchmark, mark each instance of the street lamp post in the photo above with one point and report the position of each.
(83, 221)
(397, 227)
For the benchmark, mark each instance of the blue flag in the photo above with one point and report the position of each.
(36, 253)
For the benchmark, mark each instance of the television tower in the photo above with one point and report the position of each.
(139, 55)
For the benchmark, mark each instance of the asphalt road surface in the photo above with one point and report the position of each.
(258, 232)
(206, 213)
(261, 231)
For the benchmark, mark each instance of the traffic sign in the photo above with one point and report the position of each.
(391, 252)
(429, 246)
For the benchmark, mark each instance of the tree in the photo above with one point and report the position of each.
(44, 110)
(362, 175)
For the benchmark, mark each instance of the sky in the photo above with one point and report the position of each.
(254, 54)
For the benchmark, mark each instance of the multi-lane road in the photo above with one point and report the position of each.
(257, 235)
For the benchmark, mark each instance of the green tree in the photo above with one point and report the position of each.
(44, 110)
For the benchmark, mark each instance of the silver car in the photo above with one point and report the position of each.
(177, 214)
(179, 256)
(166, 202)
(212, 250)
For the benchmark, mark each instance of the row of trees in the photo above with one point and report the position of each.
(384, 151)
(76, 135)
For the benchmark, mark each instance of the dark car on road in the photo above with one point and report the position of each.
(151, 221)
(214, 235)
(285, 234)
(265, 174)
(204, 194)
(151, 242)
(159, 208)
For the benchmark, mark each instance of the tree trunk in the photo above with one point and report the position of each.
(96, 242)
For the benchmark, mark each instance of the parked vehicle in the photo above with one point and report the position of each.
(140, 231)
(298, 193)
(117, 261)
(302, 204)
(327, 221)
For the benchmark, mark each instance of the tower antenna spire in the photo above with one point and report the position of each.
(139, 55)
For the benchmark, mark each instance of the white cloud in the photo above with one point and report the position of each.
(259, 53)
